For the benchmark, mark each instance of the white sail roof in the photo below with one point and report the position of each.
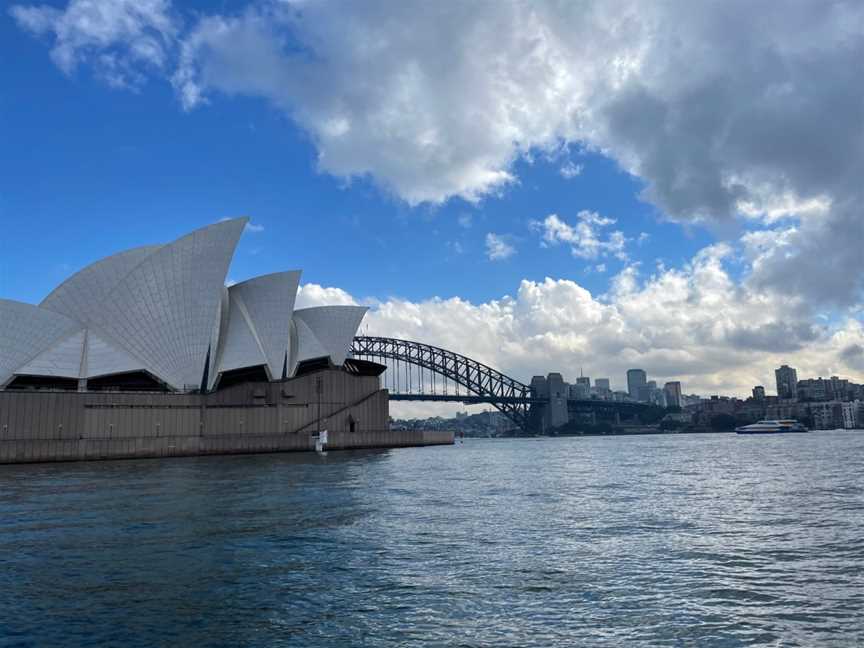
(103, 358)
(164, 310)
(332, 329)
(61, 359)
(76, 296)
(267, 304)
(239, 346)
(25, 332)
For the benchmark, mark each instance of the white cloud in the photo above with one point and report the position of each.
(311, 294)
(719, 109)
(120, 38)
(585, 238)
(693, 324)
(465, 220)
(771, 207)
(497, 248)
(570, 170)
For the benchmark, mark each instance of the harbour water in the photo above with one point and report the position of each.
(675, 540)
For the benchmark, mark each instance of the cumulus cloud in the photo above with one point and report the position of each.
(497, 247)
(585, 238)
(120, 38)
(312, 294)
(720, 109)
(693, 324)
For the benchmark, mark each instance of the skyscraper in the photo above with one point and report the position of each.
(673, 394)
(602, 384)
(636, 379)
(787, 382)
(759, 393)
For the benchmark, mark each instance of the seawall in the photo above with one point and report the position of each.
(38, 426)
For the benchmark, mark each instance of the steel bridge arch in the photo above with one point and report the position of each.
(511, 397)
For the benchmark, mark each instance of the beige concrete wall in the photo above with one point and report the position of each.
(257, 417)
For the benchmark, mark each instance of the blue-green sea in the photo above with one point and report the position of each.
(675, 540)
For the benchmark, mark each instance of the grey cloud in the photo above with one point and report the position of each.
(711, 104)
(853, 357)
(774, 337)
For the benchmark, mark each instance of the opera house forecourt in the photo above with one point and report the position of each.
(147, 353)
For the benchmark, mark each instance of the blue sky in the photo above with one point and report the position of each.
(99, 170)
(712, 230)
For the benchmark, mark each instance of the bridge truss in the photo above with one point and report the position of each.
(418, 371)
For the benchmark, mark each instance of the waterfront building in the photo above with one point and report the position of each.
(556, 411)
(787, 382)
(826, 389)
(850, 413)
(673, 393)
(643, 393)
(147, 353)
(580, 391)
(759, 393)
(657, 397)
(601, 389)
(636, 380)
(160, 318)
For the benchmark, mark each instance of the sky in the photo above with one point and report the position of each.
(542, 186)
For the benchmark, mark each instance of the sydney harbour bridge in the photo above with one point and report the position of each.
(422, 372)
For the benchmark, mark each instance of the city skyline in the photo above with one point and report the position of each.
(629, 219)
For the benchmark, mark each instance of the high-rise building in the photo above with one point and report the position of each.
(787, 382)
(584, 380)
(580, 391)
(673, 393)
(759, 393)
(636, 380)
(559, 391)
(602, 383)
(657, 397)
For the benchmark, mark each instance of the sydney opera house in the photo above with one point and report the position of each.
(161, 317)
(147, 352)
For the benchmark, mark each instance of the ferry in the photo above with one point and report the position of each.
(772, 427)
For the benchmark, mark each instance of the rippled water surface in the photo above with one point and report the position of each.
(703, 540)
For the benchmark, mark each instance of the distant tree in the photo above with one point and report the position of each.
(722, 422)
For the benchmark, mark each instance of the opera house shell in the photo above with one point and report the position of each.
(161, 318)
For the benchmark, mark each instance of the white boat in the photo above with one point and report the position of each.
(772, 427)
